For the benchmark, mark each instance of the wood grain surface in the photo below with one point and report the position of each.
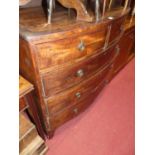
(62, 77)
(24, 87)
(27, 132)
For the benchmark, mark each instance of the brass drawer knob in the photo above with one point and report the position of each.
(75, 110)
(78, 94)
(80, 73)
(81, 46)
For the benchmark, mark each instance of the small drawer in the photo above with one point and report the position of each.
(116, 29)
(77, 93)
(62, 77)
(70, 113)
(65, 50)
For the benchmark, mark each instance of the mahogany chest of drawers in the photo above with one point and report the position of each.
(68, 62)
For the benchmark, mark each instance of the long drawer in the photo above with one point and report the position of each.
(65, 50)
(77, 93)
(65, 76)
(74, 109)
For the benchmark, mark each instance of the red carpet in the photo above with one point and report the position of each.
(107, 127)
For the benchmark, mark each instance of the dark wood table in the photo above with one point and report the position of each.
(26, 101)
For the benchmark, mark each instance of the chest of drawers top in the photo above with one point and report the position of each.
(34, 27)
(65, 40)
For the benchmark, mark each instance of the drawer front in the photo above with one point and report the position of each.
(77, 93)
(116, 29)
(62, 51)
(67, 114)
(65, 76)
(126, 45)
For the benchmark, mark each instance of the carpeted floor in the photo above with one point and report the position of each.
(106, 127)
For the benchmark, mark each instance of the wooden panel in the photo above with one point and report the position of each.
(65, 76)
(31, 3)
(32, 147)
(25, 61)
(42, 150)
(28, 70)
(22, 104)
(23, 2)
(24, 87)
(65, 50)
(76, 94)
(27, 132)
(34, 27)
(126, 45)
(116, 29)
(129, 23)
(130, 34)
(24, 125)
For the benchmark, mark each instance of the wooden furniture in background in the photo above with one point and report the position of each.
(26, 101)
(29, 140)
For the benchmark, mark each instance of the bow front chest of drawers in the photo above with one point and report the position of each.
(68, 62)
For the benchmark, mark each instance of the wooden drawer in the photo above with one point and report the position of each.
(77, 93)
(65, 76)
(126, 45)
(69, 49)
(74, 109)
(116, 29)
